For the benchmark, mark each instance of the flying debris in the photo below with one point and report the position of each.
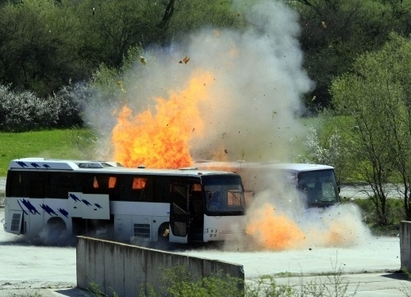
(120, 83)
(143, 60)
(184, 60)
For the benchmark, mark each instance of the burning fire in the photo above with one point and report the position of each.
(274, 231)
(161, 139)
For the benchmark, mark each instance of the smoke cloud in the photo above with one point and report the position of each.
(255, 95)
(250, 113)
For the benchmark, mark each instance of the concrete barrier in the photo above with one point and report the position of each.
(405, 245)
(127, 270)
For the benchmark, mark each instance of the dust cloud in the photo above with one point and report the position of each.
(248, 111)
(279, 220)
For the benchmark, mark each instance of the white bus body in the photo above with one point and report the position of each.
(316, 183)
(125, 204)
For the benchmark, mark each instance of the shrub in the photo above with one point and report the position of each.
(25, 111)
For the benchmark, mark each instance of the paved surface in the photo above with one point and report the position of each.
(369, 268)
(361, 285)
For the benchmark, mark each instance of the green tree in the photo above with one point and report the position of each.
(190, 16)
(335, 32)
(46, 45)
(374, 100)
(110, 28)
(37, 52)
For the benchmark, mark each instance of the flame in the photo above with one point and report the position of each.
(274, 231)
(161, 139)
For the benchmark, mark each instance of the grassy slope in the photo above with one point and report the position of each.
(49, 144)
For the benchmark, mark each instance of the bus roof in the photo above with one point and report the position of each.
(43, 164)
(296, 167)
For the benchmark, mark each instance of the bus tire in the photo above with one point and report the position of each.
(55, 232)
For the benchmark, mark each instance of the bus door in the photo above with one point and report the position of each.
(179, 213)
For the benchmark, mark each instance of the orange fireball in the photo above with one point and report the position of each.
(160, 138)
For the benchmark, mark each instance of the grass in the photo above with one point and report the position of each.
(70, 143)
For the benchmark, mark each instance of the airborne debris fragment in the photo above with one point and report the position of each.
(143, 60)
(185, 60)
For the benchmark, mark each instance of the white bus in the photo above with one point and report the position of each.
(316, 183)
(124, 204)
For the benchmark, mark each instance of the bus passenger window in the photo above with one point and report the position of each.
(142, 189)
(37, 185)
(112, 182)
(60, 184)
(139, 183)
(17, 184)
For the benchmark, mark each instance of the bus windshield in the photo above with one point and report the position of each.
(318, 188)
(224, 195)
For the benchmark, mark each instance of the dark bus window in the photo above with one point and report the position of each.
(17, 184)
(135, 188)
(37, 182)
(142, 188)
(62, 183)
(162, 189)
(101, 184)
(26, 184)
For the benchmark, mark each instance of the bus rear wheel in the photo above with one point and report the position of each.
(55, 232)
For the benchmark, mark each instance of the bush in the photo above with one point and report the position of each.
(25, 111)
(178, 281)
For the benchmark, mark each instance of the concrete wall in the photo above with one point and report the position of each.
(124, 269)
(405, 245)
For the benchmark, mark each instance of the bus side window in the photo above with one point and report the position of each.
(161, 189)
(60, 184)
(147, 194)
(37, 183)
(27, 184)
(17, 184)
(88, 183)
(138, 188)
(100, 184)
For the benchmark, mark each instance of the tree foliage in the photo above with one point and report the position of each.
(376, 98)
(335, 32)
(46, 45)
